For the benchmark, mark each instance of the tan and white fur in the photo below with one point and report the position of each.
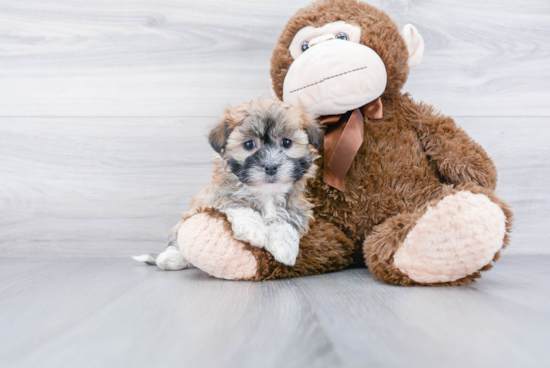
(265, 152)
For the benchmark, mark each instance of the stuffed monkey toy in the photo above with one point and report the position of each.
(400, 188)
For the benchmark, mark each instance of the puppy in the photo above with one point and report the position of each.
(265, 152)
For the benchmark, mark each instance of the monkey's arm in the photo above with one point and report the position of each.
(458, 158)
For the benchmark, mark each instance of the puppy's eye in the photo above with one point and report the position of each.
(342, 36)
(305, 46)
(286, 143)
(249, 145)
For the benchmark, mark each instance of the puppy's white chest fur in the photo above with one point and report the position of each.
(266, 228)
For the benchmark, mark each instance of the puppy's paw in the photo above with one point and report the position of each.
(283, 243)
(248, 226)
(172, 260)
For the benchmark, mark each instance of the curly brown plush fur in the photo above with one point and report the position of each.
(324, 249)
(393, 171)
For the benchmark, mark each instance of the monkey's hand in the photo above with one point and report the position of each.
(283, 242)
(248, 226)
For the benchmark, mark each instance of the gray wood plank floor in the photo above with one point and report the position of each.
(89, 312)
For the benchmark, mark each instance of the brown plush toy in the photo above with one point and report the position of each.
(400, 186)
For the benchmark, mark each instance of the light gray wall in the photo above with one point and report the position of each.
(104, 107)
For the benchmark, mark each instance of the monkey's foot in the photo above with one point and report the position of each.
(447, 243)
(207, 241)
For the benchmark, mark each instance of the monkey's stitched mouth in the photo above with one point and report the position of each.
(325, 79)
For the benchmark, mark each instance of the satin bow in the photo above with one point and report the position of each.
(343, 138)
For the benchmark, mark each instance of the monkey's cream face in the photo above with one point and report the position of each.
(269, 145)
(332, 72)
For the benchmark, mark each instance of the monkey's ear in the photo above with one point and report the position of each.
(218, 135)
(314, 132)
(415, 44)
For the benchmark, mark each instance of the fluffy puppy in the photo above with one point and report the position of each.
(265, 152)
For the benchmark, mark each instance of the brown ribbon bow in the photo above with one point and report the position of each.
(343, 138)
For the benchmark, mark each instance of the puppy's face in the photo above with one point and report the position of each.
(267, 144)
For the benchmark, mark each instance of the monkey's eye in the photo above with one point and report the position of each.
(286, 143)
(342, 36)
(249, 145)
(305, 46)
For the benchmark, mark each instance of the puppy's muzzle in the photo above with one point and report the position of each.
(270, 169)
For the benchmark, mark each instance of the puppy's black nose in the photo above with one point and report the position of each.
(270, 169)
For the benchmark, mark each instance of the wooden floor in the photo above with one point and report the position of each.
(92, 312)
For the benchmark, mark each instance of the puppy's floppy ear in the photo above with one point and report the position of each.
(218, 135)
(314, 131)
